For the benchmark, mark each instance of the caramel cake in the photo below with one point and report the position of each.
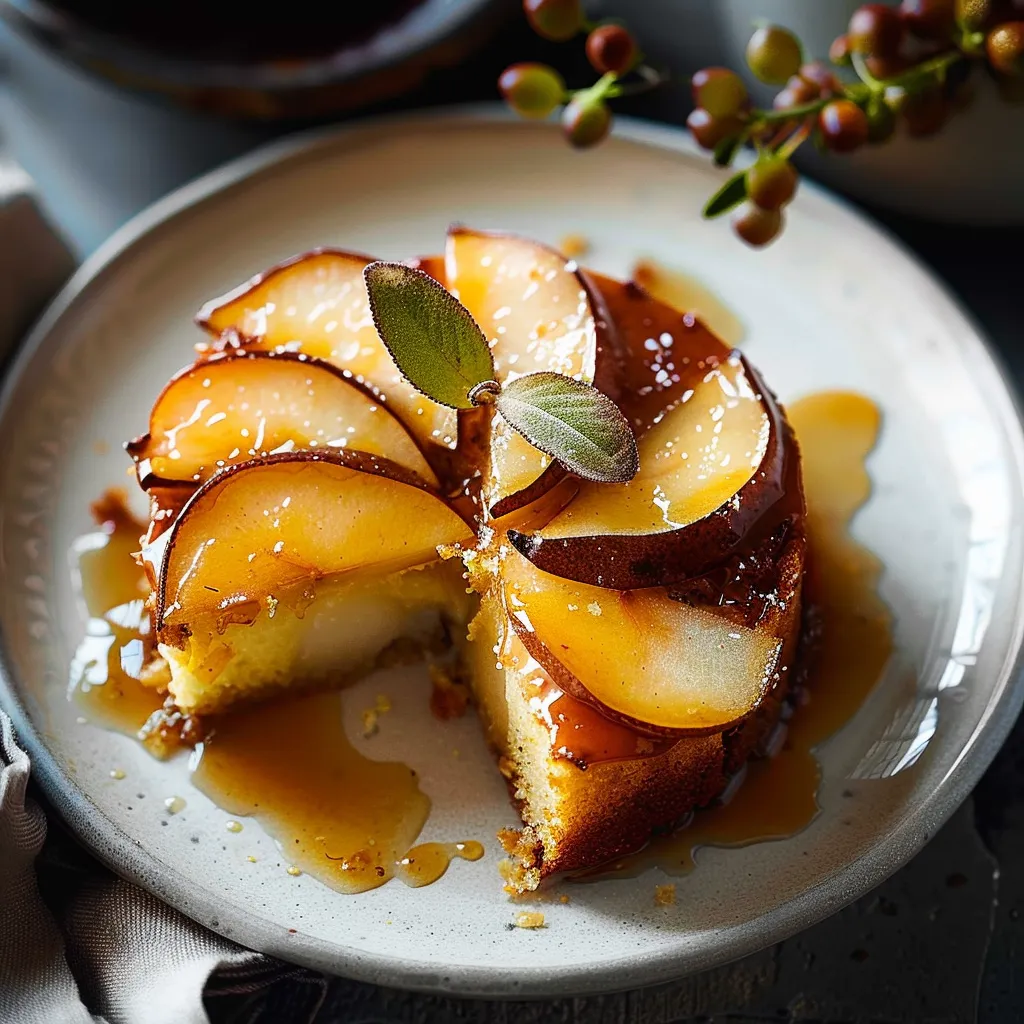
(313, 515)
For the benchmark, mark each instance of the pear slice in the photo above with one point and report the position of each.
(665, 352)
(239, 405)
(316, 303)
(716, 472)
(267, 530)
(538, 312)
(638, 655)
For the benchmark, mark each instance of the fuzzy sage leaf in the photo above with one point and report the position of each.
(431, 336)
(572, 422)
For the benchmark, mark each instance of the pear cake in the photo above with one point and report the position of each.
(629, 646)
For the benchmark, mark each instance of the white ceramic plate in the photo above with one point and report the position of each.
(834, 304)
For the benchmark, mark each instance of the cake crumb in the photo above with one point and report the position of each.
(371, 723)
(594, 608)
(563, 898)
(506, 767)
(665, 895)
(573, 245)
(382, 703)
(449, 698)
(530, 919)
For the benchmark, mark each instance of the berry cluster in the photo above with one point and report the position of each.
(908, 65)
(537, 90)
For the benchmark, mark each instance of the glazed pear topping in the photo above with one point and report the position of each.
(438, 346)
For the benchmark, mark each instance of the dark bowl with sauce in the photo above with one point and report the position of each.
(245, 59)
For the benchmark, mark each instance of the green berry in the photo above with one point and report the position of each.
(755, 226)
(771, 183)
(611, 48)
(843, 126)
(1004, 46)
(557, 20)
(532, 90)
(774, 54)
(586, 121)
(881, 121)
(719, 91)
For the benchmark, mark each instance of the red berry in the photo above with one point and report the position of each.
(755, 226)
(774, 54)
(933, 20)
(771, 183)
(611, 48)
(708, 130)
(798, 91)
(586, 121)
(719, 91)
(843, 126)
(839, 51)
(875, 29)
(554, 19)
(532, 90)
(1005, 48)
(925, 113)
(820, 76)
(887, 67)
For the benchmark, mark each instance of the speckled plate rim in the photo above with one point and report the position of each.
(120, 852)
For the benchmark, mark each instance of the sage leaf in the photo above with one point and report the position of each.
(574, 423)
(432, 337)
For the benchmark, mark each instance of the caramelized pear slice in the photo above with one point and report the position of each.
(316, 303)
(637, 655)
(665, 352)
(713, 471)
(268, 529)
(237, 405)
(538, 312)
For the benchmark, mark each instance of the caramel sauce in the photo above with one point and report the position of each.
(337, 815)
(108, 666)
(692, 296)
(852, 641)
(427, 862)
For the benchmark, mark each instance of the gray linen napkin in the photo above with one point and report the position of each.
(98, 949)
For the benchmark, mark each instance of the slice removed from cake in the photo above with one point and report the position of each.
(288, 571)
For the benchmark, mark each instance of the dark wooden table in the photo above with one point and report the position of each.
(941, 941)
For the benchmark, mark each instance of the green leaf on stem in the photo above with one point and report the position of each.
(726, 150)
(432, 337)
(574, 423)
(731, 194)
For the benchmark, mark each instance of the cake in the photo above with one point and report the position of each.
(629, 646)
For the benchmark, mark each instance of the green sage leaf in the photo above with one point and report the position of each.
(731, 194)
(574, 423)
(432, 337)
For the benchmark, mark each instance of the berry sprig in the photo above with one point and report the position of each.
(906, 66)
(537, 90)
(911, 63)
